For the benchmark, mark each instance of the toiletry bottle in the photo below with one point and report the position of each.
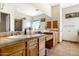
(25, 32)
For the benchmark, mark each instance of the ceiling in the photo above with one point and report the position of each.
(27, 9)
(33, 9)
(65, 5)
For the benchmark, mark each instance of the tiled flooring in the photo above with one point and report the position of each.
(64, 49)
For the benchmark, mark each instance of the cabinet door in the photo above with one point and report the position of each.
(42, 46)
(8, 50)
(42, 52)
(54, 25)
(19, 53)
(48, 24)
(33, 50)
(55, 38)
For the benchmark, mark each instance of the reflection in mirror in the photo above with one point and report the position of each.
(18, 24)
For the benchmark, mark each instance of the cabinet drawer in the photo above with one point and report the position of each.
(32, 50)
(48, 37)
(42, 52)
(42, 38)
(32, 42)
(30, 47)
(12, 48)
(42, 45)
(19, 53)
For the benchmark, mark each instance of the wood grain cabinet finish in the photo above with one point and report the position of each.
(42, 46)
(32, 51)
(42, 52)
(48, 24)
(49, 36)
(19, 53)
(32, 42)
(49, 41)
(54, 25)
(32, 47)
(55, 38)
(14, 49)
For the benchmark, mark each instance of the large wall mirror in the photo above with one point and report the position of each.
(4, 22)
(18, 24)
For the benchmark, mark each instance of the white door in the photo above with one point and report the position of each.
(69, 31)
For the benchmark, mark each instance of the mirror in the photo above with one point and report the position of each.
(18, 24)
(4, 22)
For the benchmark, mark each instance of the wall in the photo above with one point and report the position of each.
(57, 15)
(9, 10)
(25, 21)
(19, 15)
(56, 12)
(70, 25)
(43, 7)
(14, 14)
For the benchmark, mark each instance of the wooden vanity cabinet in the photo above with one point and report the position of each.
(32, 47)
(49, 41)
(55, 37)
(32, 51)
(41, 46)
(17, 49)
(54, 24)
(48, 24)
(19, 53)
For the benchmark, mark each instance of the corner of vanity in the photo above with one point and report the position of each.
(23, 45)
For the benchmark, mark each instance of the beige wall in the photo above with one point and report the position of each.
(56, 12)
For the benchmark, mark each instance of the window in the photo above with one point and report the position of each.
(36, 25)
(28, 24)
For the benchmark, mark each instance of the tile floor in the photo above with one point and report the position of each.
(64, 49)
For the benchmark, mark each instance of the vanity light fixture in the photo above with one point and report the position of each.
(24, 18)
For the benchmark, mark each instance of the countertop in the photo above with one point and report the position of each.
(5, 41)
(45, 32)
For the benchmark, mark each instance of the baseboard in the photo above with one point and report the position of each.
(70, 41)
